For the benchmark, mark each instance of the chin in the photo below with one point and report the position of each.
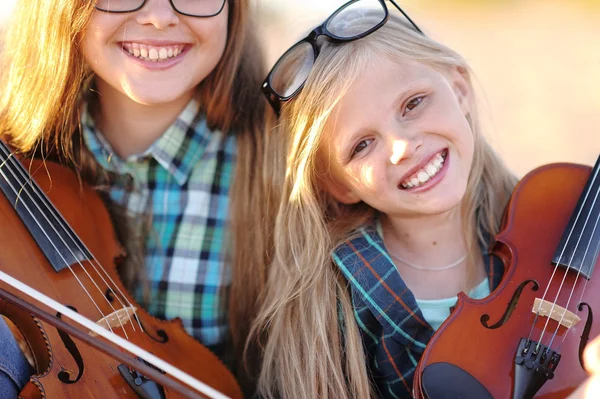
(159, 97)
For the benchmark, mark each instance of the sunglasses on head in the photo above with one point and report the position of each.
(352, 21)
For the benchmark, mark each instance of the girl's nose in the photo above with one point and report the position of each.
(159, 13)
(403, 148)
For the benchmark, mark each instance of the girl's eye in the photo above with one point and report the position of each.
(414, 103)
(361, 146)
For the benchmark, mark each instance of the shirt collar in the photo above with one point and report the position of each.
(177, 150)
(376, 284)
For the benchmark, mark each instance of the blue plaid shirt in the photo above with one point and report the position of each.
(183, 181)
(393, 329)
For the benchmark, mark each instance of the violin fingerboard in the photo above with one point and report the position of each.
(580, 244)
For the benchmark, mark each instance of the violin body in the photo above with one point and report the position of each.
(474, 354)
(71, 369)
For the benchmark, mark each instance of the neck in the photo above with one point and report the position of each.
(130, 127)
(434, 240)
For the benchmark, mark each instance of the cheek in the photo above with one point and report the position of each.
(468, 140)
(90, 48)
(212, 32)
(365, 178)
(97, 38)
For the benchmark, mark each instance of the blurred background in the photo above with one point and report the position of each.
(537, 63)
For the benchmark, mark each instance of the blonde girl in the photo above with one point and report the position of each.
(390, 197)
(154, 103)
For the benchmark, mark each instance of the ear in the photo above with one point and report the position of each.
(338, 190)
(461, 84)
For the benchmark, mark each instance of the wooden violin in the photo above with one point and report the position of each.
(527, 338)
(57, 238)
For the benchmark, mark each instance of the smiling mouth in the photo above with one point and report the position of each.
(153, 53)
(424, 174)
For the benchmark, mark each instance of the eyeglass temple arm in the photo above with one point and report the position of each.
(406, 15)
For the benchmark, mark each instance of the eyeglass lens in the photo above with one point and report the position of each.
(356, 19)
(294, 66)
(293, 69)
(191, 7)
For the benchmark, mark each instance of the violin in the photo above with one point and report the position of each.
(526, 339)
(58, 240)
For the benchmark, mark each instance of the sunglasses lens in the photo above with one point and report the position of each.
(356, 18)
(293, 68)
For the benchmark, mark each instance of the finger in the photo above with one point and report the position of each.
(591, 356)
(590, 389)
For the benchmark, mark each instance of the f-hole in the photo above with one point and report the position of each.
(162, 336)
(64, 375)
(512, 304)
(585, 335)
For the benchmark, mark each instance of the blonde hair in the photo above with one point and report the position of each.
(44, 79)
(306, 327)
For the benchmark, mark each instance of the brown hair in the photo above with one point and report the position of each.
(44, 78)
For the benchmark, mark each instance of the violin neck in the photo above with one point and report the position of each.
(52, 233)
(580, 244)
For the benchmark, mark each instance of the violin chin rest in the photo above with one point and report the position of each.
(448, 381)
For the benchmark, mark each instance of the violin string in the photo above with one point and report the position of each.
(537, 314)
(118, 294)
(587, 250)
(566, 307)
(23, 189)
(568, 265)
(585, 283)
(68, 231)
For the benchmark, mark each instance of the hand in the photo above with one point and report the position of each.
(590, 388)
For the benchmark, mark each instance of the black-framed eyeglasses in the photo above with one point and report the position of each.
(352, 21)
(190, 8)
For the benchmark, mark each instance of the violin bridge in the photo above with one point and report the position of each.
(563, 316)
(116, 319)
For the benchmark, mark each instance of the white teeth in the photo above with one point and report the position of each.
(154, 54)
(431, 170)
(426, 173)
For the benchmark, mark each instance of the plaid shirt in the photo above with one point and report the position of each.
(393, 329)
(183, 181)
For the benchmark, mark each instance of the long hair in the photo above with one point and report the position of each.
(306, 326)
(44, 79)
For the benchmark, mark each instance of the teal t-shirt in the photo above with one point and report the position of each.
(436, 311)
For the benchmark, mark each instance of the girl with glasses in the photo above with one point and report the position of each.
(153, 102)
(389, 201)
